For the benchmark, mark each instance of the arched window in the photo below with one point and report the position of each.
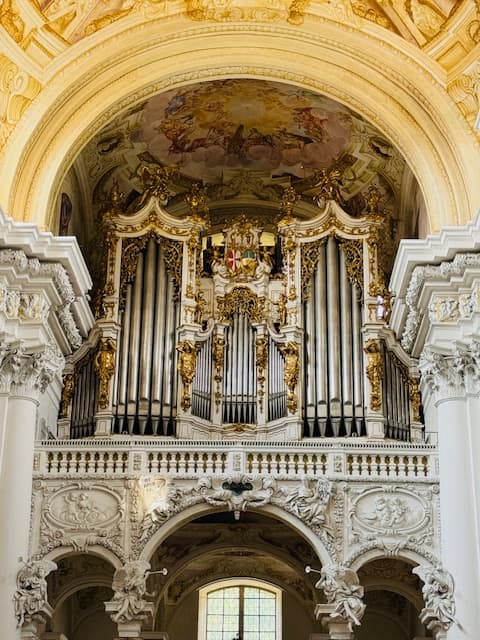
(240, 609)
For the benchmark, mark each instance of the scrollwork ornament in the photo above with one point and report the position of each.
(241, 300)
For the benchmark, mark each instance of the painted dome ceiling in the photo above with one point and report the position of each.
(244, 140)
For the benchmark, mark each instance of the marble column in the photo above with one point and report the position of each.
(450, 387)
(23, 376)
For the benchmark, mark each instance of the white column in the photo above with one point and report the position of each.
(24, 376)
(445, 382)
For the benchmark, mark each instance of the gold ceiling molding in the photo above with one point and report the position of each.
(17, 90)
(293, 11)
(11, 20)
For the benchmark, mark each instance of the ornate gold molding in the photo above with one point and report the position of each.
(293, 11)
(241, 300)
(67, 394)
(218, 357)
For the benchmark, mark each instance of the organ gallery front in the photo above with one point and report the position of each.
(270, 327)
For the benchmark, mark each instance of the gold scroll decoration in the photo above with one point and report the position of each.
(241, 300)
(374, 372)
(291, 355)
(105, 368)
(218, 356)
(67, 394)
(261, 345)
(187, 363)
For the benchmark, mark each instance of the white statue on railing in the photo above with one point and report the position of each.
(30, 597)
(342, 589)
(130, 587)
(438, 613)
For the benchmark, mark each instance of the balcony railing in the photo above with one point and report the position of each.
(332, 458)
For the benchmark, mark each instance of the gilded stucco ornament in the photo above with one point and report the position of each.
(293, 11)
(17, 90)
(67, 394)
(187, 363)
(291, 355)
(374, 372)
(218, 357)
(105, 368)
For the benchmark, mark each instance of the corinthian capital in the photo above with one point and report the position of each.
(452, 375)
(28, 374)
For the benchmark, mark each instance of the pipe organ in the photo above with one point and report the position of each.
(242, 333)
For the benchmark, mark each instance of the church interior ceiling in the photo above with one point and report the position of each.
(243, 141)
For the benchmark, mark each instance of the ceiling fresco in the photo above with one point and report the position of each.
(244, 141)
(244, 124)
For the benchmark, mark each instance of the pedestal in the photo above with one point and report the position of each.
(338, 629)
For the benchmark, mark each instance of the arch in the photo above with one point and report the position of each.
(409, 556)
(95, 550)
(373, 75)
(198, 510)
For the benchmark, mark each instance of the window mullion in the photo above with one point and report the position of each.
(240, 614)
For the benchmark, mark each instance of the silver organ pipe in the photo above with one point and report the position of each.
(357, 355)
(158, 350)
(135, 325)
(333, 316)
(145, 391)
(84, 400)
(346, 352)
(333, 370)
(277, 392)
(201, 388)
(396, 403)
(240, 379)
(320, 338)
(146, 333)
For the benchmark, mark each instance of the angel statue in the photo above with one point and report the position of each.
(439, 610)
(30, 596)
(130, 587)
(343, 589)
